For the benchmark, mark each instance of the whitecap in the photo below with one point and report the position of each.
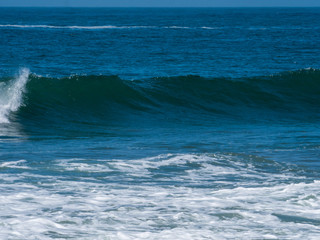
(11, 95)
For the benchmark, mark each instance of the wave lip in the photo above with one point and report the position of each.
(11, 94)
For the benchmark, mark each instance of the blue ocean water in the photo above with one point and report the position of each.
(158, 123)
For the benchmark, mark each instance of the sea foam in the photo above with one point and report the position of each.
(123, 202)
(11, 94)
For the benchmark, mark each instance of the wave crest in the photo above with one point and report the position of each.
(11, 94)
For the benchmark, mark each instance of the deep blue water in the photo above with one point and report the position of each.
(147, 123)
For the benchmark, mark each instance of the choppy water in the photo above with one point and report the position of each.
(159, 123)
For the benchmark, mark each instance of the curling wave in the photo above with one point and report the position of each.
(29, 95)
(11, 94)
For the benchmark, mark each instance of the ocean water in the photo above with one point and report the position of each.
(159, 123)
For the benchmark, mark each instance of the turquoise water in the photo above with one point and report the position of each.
(159, 123)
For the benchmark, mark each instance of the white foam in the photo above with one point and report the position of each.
(11, 94)
(88, 207)
(210, 166)
(14, 164)
(211, 28)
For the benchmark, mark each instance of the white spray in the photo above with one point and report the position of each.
(11, 94)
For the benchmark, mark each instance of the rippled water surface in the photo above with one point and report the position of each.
(159, 123)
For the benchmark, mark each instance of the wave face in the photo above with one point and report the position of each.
(294, 94)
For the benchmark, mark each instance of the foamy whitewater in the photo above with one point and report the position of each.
(11, 94)
(159, 123)
(274, 209)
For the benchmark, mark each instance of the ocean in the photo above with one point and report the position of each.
(159, 123)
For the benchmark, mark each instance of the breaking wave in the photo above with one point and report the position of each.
(296, 93)
(11, 94)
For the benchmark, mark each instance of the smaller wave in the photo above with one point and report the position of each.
(210, 28)
(178, 27)
(11, 94)
(71, 27)
(102, 27)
